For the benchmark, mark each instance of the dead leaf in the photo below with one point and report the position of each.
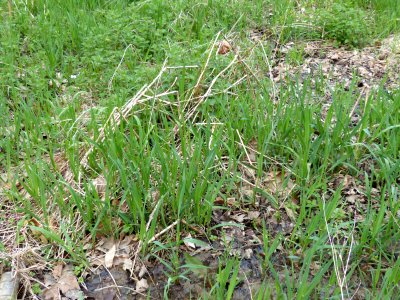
(239, 217)
(128, 264)
(219, 201)
(352, 198)
(142, 271)
(141, 286)
(67, 284)
(224, 47)
(35, 232)
(231, 201)
(155, 195)
(252, 215)
(290, 213)
(315, 267)
(109, 257)
(247, 192)
(188, 243)
(57, 271)
(100, 185)
(248, 253)
(49, 280)
(52, 293)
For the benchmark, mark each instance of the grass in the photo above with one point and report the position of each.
(95, 164)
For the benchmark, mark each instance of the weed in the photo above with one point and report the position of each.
(345, 24)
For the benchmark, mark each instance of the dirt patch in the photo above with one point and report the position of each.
(367, 68)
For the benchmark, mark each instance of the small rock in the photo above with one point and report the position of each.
(8, 287)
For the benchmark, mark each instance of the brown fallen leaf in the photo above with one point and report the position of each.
(57, 271)
(100, 185)
(48, 280)
(52, 293)
(141, 286)
(143, 270)
(252, 215)
(219, 201)
(224, 47)
(127, 265)
(68, 282)
(109, 257)
(35, 232)
(67, 285)
(238, 217)
(231, 201)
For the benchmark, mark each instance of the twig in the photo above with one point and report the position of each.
(119, 65)
(182, 67)
(242, 61)
(163, 231)
(120, 287)
(271, 159)
(248, 284)
(337, 257)
(115, 283)
(208, 92)
(116, 114)
(193, 227)
(271, 77)
(247, 154)
(334, 254)
(196, 87)
(235, 83)
(357, 101)
(140, 244)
